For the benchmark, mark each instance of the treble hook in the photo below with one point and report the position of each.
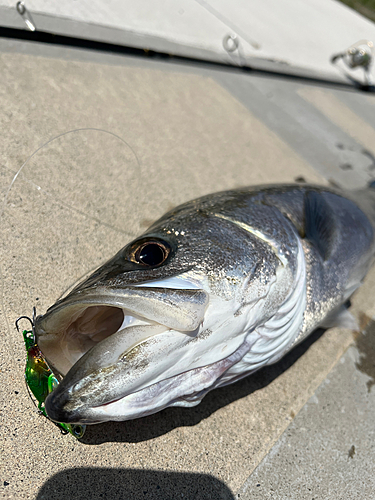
(24, 317)
(32, 321)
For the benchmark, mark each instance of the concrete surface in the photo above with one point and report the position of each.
(290, 36)
(190, 130)
(328, 451)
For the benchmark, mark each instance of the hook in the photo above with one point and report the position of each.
(25, 317)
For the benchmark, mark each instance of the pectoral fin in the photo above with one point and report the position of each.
(341, 317)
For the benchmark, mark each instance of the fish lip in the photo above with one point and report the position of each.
(55, 407)
(104, 296)
(57, 413)
(88, 297)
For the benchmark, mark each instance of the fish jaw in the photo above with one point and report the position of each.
(69, 329)
(122, 378)
(185, 389)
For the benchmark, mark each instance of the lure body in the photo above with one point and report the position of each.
(41, 381)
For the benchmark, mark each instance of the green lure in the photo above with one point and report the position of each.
(41, 380)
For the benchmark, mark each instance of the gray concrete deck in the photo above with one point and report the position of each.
(192, 129)
(328, 450)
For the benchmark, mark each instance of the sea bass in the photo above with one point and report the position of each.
(214, 290)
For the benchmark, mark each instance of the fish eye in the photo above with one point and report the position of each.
(152, 253)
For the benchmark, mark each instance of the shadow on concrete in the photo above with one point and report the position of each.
(146, 428)
(131, 484)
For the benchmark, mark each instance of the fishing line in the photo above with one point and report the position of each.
(39, 188)
(58, 137)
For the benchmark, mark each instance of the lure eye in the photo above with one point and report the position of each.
(152, 253)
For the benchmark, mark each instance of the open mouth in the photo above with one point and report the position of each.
(75, 334)
(71, 328)
(104, 344)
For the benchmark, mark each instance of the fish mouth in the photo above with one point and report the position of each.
(101, 343)
(75, 325)
(83, 328)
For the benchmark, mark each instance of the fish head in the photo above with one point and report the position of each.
(155, 325)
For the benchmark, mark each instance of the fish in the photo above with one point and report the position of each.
(216, 289)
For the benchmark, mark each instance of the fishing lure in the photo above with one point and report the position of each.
(40, 380)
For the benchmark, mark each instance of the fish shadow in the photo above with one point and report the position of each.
(133, 484)
(152, 426)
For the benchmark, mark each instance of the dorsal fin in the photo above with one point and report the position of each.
(320, 223)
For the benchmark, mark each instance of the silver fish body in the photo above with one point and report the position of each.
(214, 290)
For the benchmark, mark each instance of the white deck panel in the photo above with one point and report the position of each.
(287, 35)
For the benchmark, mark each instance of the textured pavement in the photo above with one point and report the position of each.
(171, 133)
(328, 451)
